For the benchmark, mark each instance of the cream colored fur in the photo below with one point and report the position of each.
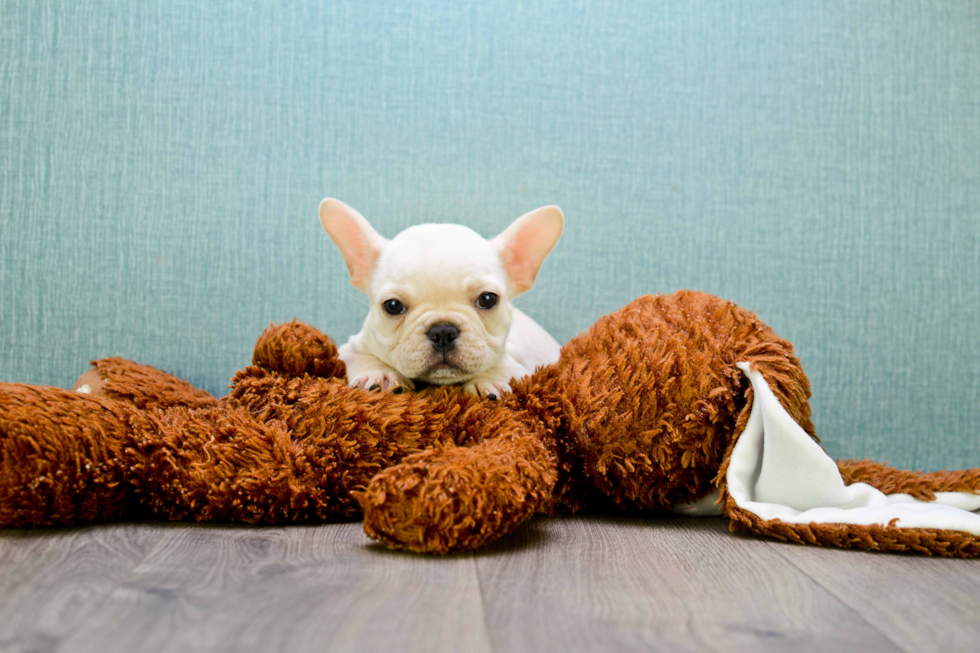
(438, 273)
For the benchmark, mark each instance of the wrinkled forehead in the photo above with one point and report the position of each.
(439, 256)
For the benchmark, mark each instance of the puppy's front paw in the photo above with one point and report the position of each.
(496, 381)
(489, 388)
(369, 373)
(381, 379)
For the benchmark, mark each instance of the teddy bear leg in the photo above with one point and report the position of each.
(220, 464)
(452, 499)
(91, 382)
(68, 458)
(921, 485)
(61, 457)
(140, 385)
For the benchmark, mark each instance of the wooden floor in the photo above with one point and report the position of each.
(559, 584)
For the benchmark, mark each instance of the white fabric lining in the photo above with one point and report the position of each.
(778, 472)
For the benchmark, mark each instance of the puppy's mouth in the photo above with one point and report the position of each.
(444, 373)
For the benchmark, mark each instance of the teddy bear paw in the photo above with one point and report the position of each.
(90, 382)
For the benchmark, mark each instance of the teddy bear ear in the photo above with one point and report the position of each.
(358, 242)
(524, 245)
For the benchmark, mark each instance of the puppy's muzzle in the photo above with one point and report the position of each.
(443, 336)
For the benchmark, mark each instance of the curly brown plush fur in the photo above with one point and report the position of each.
(641, 411)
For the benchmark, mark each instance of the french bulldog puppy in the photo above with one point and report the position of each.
(440, 302)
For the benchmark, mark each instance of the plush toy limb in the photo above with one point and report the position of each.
(61, 457)
(219, 464)
(69, 458)
(330, 443)
(295, 349)
(140, 385)
(940, 542)
(921, 485)
(452, 499)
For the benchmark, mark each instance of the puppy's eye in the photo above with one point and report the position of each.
(487, 300)
(393, 307)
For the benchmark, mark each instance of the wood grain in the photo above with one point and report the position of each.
(221, 588)
(51, 581)
(925, 604)
(628, 584)
(558, 584)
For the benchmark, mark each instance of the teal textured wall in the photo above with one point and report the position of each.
(818, 162)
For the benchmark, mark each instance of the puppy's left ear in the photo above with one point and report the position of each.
(524, 245)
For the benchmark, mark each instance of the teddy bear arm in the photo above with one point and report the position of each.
(143, 386)
(287, 359)
(451, 499)
(297, 349)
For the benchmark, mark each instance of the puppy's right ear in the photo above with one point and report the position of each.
(524, 244)
(358, 242)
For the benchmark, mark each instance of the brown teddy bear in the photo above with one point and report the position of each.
(676, 402)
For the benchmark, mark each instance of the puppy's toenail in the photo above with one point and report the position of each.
(492, 397)
(397, 391)
(374, 387)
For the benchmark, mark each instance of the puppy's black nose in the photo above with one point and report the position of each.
(443, 336)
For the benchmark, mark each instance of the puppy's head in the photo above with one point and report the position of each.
(440, 294)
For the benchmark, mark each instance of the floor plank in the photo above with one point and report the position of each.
(925, 604)
(53, 580)
(625, 584)
(558, 584)
(221, 588)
